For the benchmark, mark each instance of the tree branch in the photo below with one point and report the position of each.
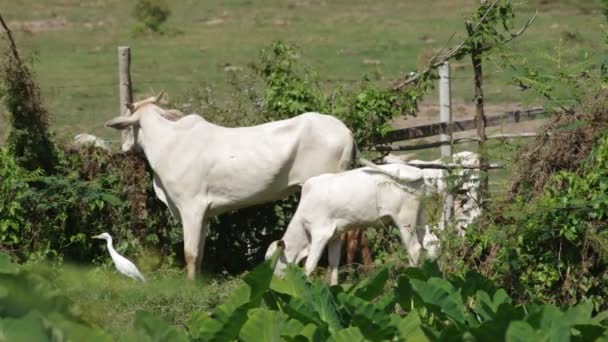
(438, 59)
(11, 40)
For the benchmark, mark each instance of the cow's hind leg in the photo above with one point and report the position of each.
(192, 220)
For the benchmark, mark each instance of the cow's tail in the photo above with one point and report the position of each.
(401, 179)
(354, 153)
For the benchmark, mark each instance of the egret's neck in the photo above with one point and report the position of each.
(111, 247)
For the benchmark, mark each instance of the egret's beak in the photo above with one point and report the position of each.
(97, 237)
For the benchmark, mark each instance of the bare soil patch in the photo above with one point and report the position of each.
(43, 25)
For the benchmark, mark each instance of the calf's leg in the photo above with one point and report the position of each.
(317, 244)
(334, 249)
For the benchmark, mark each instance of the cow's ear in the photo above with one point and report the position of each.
(172, 114)
(123, 122)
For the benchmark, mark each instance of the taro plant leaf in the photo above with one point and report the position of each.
(404, 293)
(325, 306)
(387, 302)
(294, 283)
(371, 287)
(228, 318)
(442, 297)
(263, 325)
(520, 331)
(304, 312)
(474, 282)
(486, 307)
(580, 313)
(156, 329)
(410, 327)
(553, 324)
(352, 334)
(374, 323)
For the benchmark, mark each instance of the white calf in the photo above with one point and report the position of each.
(466, 205)
(334, 203)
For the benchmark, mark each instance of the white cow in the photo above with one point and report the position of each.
(335, 203)
(86, 139)
(201, 170)
(466, 206)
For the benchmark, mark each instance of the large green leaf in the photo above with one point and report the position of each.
(156, 329)
(372, 286)
(373, 322)
(442, 297)
(410, 327)
(487, 307)
(352, 334)
(520, 331)
(263, 325)
(294, 283)
(325, 305)
(227, 319)
(304, 312)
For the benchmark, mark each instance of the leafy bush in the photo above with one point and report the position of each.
(151, 14)
(54, 216)
(551, 246)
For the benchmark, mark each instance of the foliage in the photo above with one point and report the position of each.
(422, 305)
(290, 90)
(29, 139)
(552, 246)
(563, 83)
(54, 216)
(151, 14)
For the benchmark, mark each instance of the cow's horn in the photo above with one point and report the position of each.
(158, 97)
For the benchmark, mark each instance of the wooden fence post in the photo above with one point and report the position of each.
(445, 115)
(480, 118)
(124, 87)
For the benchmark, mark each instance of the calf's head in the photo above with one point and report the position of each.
(135, 111)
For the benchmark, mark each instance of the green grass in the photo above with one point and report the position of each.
(77, 72)
(110, 300)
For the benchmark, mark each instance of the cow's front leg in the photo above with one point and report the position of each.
(192, 220)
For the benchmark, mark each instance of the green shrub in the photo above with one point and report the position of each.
(551, 246)
(151, 14)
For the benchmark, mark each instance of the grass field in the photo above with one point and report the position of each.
(73, 45)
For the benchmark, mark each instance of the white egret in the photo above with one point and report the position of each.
(123, 265)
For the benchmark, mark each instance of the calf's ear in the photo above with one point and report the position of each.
(123, 122)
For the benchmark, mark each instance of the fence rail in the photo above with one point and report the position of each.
(454, 141)
(424, 131)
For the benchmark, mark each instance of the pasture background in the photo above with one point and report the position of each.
(73, 47)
